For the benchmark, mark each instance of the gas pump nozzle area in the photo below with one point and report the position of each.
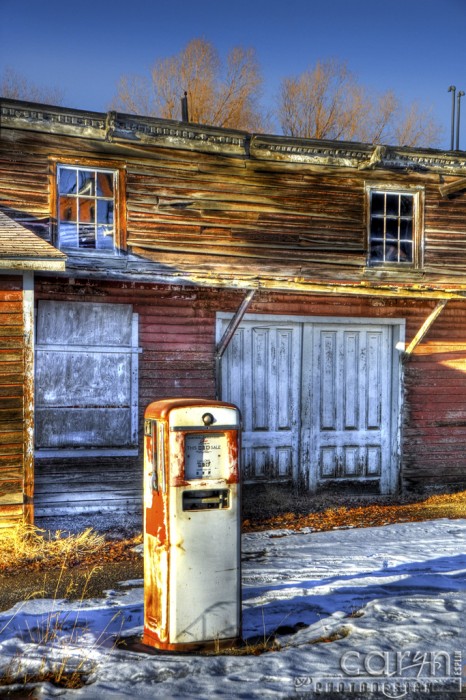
(192, 524)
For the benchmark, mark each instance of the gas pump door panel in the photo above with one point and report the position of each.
(206, 456)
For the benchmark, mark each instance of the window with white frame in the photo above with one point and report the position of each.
(394, 227)
(86, 208)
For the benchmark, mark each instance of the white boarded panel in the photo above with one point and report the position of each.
(284, 393)
(284, 461)
(328, 462)
(264, 359)
(261, 377)
(261, 459)
(351, 463)
(328, 380)
(86, 358)
(233, 383)
(374, 380)
(350, 384)
(373, 461)
(82, 323)
(98, 427)
(82, 379)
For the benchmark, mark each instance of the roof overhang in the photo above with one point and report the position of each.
(22, 249)
(33, 264)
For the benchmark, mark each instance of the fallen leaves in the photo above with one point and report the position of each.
(367, 515)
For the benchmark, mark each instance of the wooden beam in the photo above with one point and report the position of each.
(426, 326)
(452, 187)
(228, 335)
(28, 476)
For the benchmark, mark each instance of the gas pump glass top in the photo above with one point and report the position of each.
(205, 456)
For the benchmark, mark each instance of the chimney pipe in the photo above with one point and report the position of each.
(184, 108)
(458, 99)
(452, 89)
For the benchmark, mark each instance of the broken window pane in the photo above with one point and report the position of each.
(86, 198)
(104, 184)
(67, 184)
(68, 209)
(68, 235)
(86, 182)
(86, 236)
(391, 232)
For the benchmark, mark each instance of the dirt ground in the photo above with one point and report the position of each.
(76, 583)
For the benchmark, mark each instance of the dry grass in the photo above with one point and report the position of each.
(25, 545)
(67, 659)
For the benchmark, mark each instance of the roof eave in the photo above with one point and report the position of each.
(36, 264)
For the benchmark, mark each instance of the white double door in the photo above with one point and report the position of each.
(319, 399)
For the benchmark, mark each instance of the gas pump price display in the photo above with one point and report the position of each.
(205, 456)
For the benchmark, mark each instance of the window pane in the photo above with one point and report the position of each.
(86, 199)
(391, 229)
(406, 205)
(86, 182)
(105, 184)
(406, 229)
(86, 236)
(68, 209)
(86, 210)
(68, 235)
(391, 252)
(392, 204)
(67, 181)
(105, 212)
(377, 203)
(377, 228)
(105, 237)
(406, 251)
(377, 251)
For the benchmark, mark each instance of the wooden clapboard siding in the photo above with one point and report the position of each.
(12, 378)
(177, 338)
(435, 399)
(176, 334)
(104, 485)
(210, 213)
(260, 211)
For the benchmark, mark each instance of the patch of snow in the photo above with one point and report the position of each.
(376, 605)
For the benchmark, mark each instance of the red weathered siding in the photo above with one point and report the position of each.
(12, 429)
(435, 401)
(177, 337)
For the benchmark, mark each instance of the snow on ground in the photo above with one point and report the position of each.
(392, 599)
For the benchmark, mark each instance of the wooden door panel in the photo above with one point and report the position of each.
(261, 374)
(351, 396)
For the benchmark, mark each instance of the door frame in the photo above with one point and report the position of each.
(388, 481)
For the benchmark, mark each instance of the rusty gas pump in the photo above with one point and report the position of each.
(192, 564)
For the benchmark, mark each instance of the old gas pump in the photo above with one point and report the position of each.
(192, 584)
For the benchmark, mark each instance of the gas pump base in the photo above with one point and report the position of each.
(147, 645)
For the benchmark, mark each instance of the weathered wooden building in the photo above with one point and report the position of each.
(318, 285)
(21, 254)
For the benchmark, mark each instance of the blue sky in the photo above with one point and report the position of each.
(415, 47)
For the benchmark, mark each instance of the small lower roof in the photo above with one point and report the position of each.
(21, 249)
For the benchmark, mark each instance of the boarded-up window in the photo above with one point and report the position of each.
(86, 375)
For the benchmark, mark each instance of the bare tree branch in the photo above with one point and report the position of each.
(327, 102)
(16, 86)
(219, 93)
